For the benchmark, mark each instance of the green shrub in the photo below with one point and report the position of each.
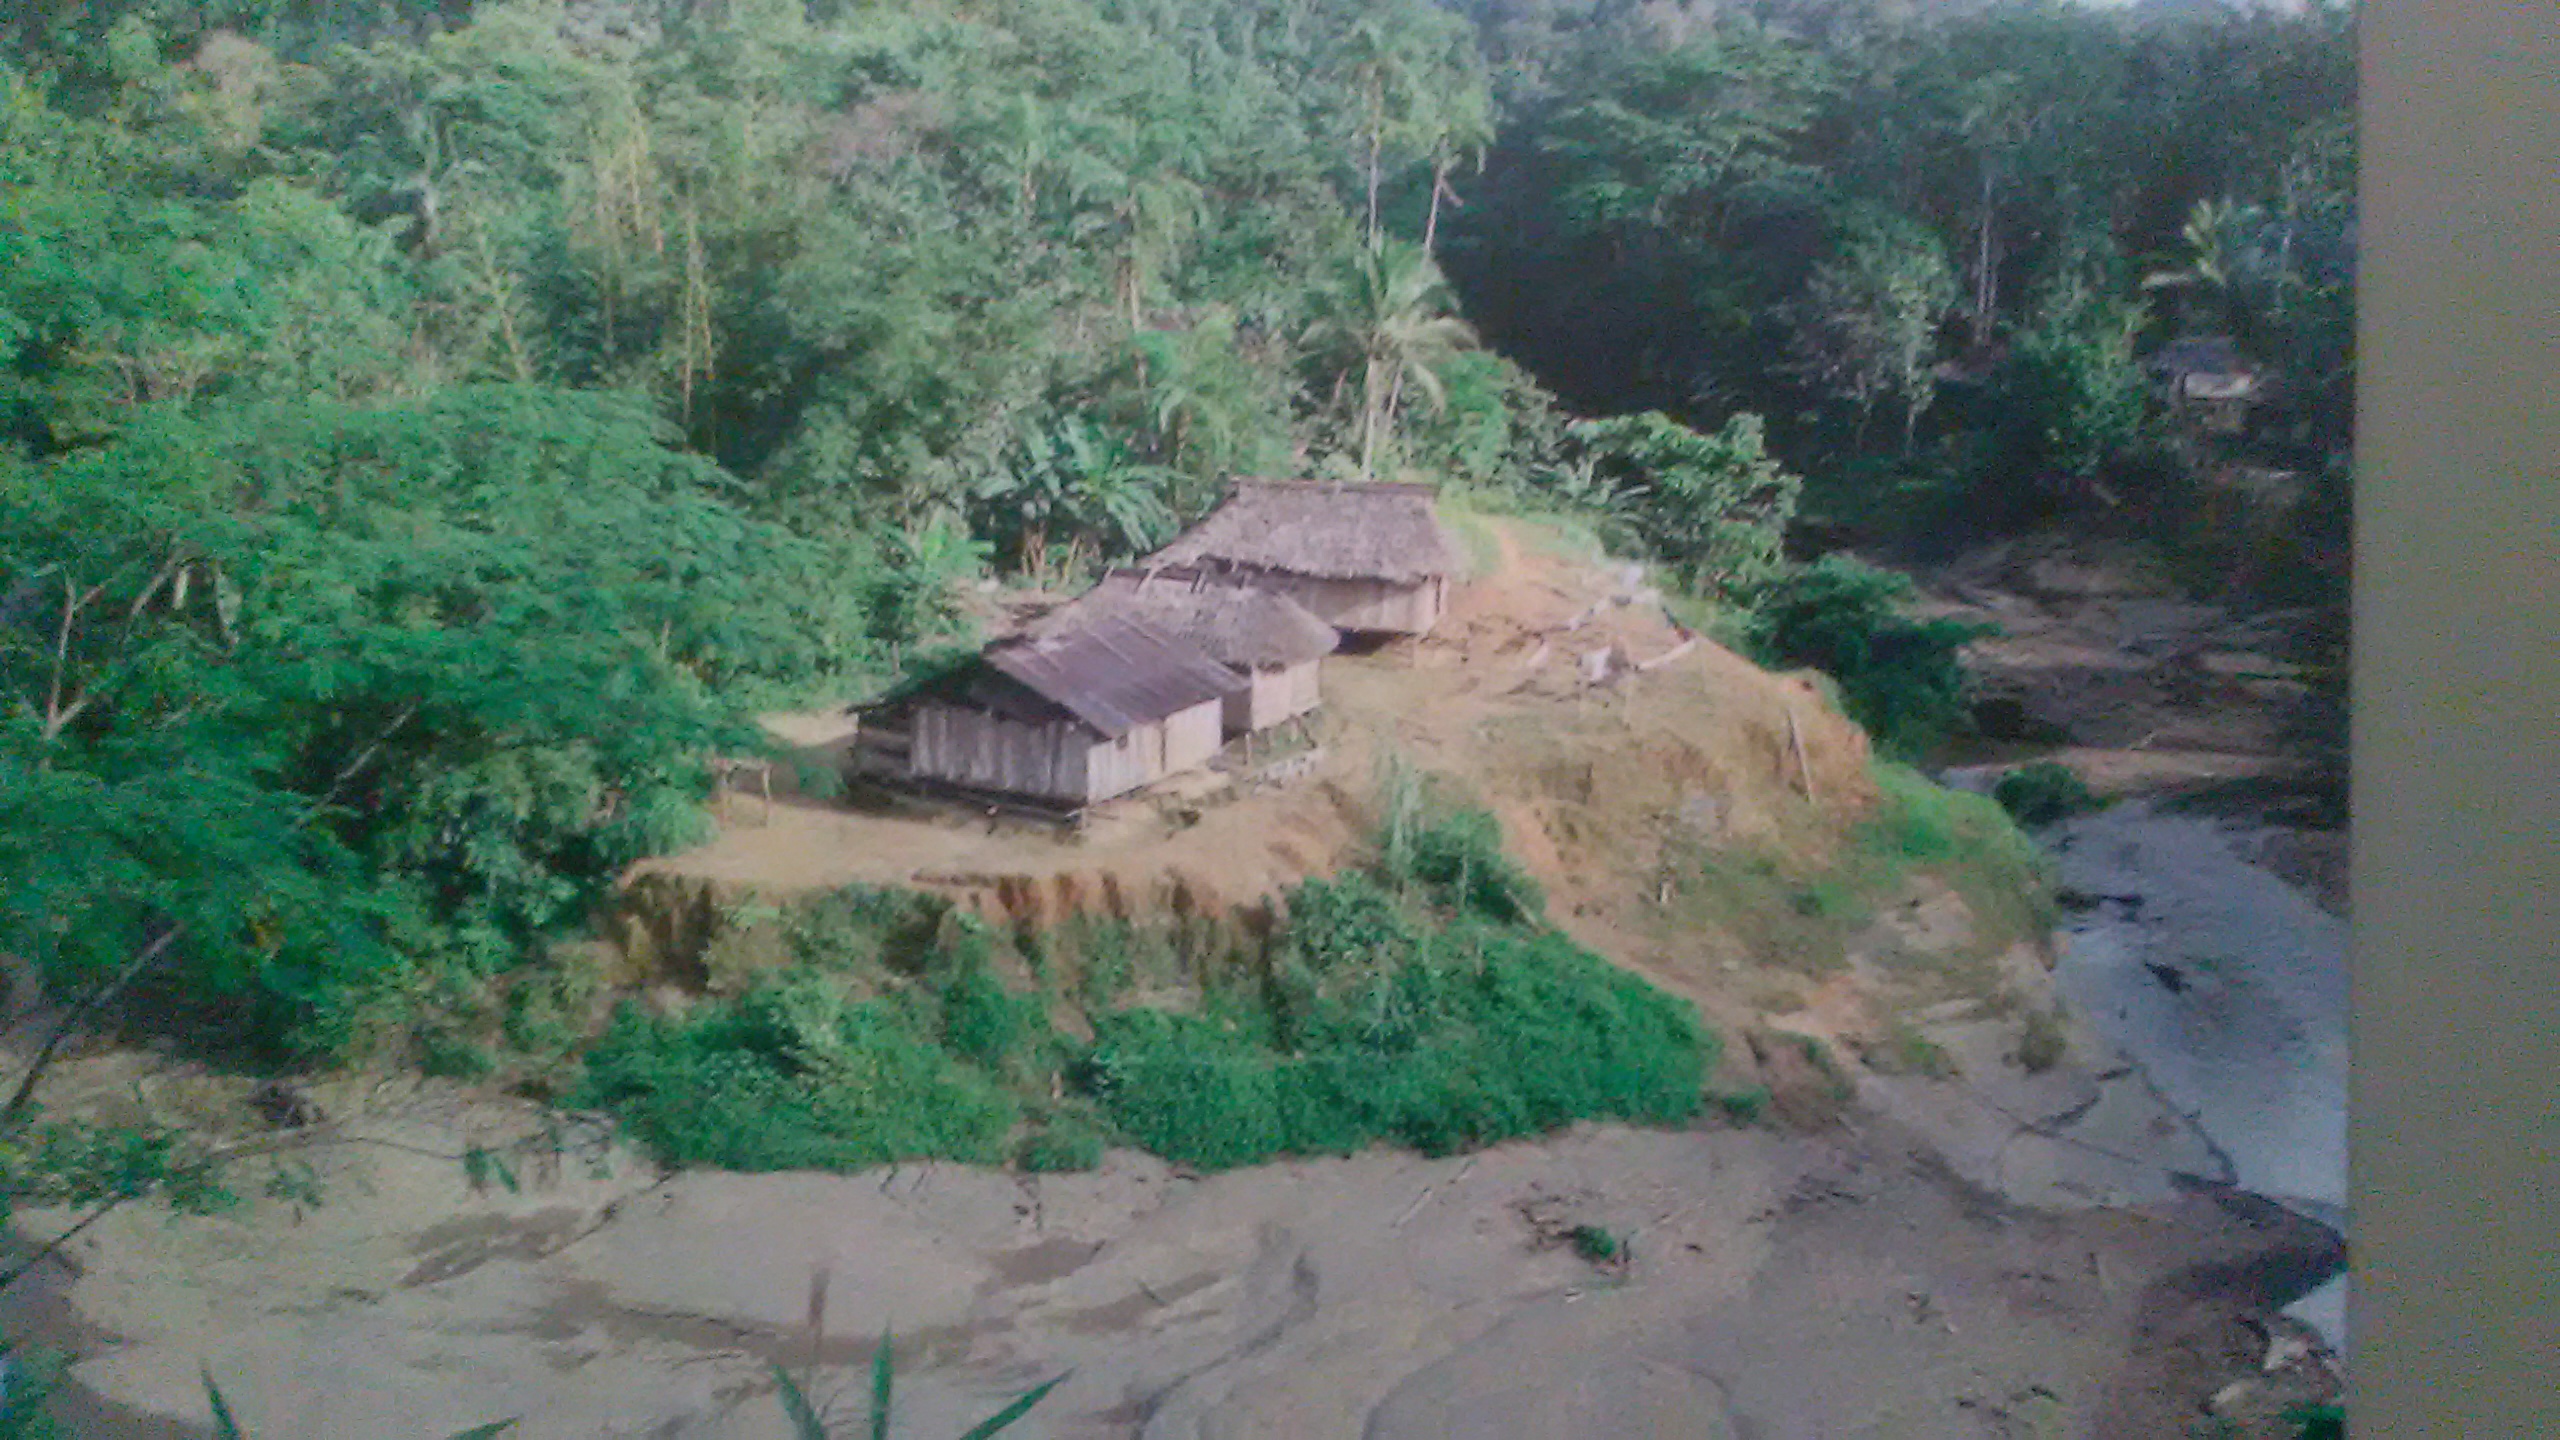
(2042, 793)
(455, 1057)
(1458, 857)
(866, 927)
(793, 1076)
(985, 1024)
(1908, 1052)
(1899, 677)
(547, 1007)
(1439, 1040)
(2318, 1422)
(1111, 959)
(1420, 1004)
(1348, 926)
(1434, 841)
(1711, 508)
(1597, 1245)
(1061, 1145)
(28, 1380)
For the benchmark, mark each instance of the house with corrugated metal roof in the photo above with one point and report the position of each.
(1269, 640)
(1076, 715)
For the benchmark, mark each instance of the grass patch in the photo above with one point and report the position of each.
(1730, 626)
(1905, 1051)
(2042, 793)
(1383, 1027)
(1819, 1056)
(1062, 1146)
(1483, 547)
(794, 1076)
(1799, 917)
(1742, 1107)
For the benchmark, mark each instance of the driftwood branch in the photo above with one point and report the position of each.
(363, 758)
(53, 1247)
(24, 1095)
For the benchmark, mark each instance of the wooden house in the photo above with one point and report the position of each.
(1266, 638)
(1077, 715)
(1364, 559)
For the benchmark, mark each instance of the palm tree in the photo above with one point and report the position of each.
(1390, 320)
(1382, 72)
(1194, 395)
(1135, 171)
(1454, 124)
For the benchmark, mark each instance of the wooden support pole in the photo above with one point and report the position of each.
(1804, 767)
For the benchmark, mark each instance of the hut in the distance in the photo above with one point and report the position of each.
(1268, 639)
(2206, 380)
(1078, 715)
(1366, 559)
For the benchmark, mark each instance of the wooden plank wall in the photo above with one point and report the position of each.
(1191, 737)
(971, 747)
(1060, 761)
(1372, 605)
(1278, 692)
(1116, 767)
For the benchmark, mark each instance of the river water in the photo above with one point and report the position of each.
(2229, 987)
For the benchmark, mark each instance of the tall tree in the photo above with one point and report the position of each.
(1389, 319)
(1867, 325)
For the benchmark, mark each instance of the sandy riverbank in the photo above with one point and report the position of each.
(1843, 1284)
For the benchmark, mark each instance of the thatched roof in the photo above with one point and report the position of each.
(1111, 673)
(1236, 625)
(1333, 532)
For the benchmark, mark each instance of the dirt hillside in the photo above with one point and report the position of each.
(1937, 1239)
(1557, 688)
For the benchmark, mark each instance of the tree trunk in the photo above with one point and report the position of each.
(1985, 285)
(1431, 222)
(1395, 398)
(1370, 422)
(1377, 143)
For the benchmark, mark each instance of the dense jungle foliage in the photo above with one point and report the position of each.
(430, 429)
